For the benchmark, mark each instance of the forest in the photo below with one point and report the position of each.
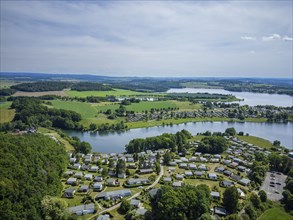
(31, 167)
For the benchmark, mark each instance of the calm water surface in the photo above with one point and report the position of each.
(115, 141)
(250, 98)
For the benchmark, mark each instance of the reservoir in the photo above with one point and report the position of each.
(115, 141)
(250, 98)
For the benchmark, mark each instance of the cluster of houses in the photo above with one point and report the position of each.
(251, 112)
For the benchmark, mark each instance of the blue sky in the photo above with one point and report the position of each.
(148, 38)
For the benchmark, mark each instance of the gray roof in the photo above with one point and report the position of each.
(141, 211)
(103, 217)
(81, 208)
(116, 193)
(69, 190)
(134, 202)
(215, 194)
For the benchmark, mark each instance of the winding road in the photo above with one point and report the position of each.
(132, 197)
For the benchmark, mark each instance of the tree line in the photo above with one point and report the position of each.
(175, 142)
(43, 86)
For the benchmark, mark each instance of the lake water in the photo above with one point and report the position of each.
(109, 142)
(250, 98)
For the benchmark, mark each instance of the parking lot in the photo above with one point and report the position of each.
(273, 185)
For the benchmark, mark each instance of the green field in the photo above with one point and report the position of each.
(6, 114)
(85, 109)
(275, 214)
(115, 92)
(257, 141)
(145, 105)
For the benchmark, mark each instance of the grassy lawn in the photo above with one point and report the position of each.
(6, 114)
(115, 92)
(46, 131)
(257, 141)
(85, 109)
(186, 106)
(274, 214)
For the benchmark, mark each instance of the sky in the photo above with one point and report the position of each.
(148, 38)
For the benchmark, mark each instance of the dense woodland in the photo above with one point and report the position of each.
(42, 86)
(31, 167)
(90, 86)
(175, 142)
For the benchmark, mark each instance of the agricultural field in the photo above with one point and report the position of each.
(85, 109)
(115, 92)
(6, 114)
(275, 213)
(37, 94)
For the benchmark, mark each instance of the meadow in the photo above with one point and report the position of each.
(114, 92)
(275, 213)
(6, 114)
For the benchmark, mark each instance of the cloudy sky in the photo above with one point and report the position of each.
(148, 38)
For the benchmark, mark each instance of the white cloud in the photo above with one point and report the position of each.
(248, 38)
(271, 37)
(286, 38)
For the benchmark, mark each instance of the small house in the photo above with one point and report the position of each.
(145, 171)
(198, 173)
(215, 195)
(135, 203)
(212, 176)
(192, 166)
(76, 166)
(141, 211)
(167, 179)
(183, 165)
(88, 176)
(82, 209)
(179, 177)
(188, 173)
(122, 175)
(244, 182)
(69, 193)
(98, 179)
(98, 186)
(202, 167)
(78, 175)
(177, 184)
(94, 169)
(84, 188)
(111, 182)
(226, 183)
(220, 211)
(71, 181)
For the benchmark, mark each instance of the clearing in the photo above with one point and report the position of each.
(37, 94)
(6, 114)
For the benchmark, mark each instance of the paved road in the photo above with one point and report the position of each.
(132, 197)
(273, 185)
